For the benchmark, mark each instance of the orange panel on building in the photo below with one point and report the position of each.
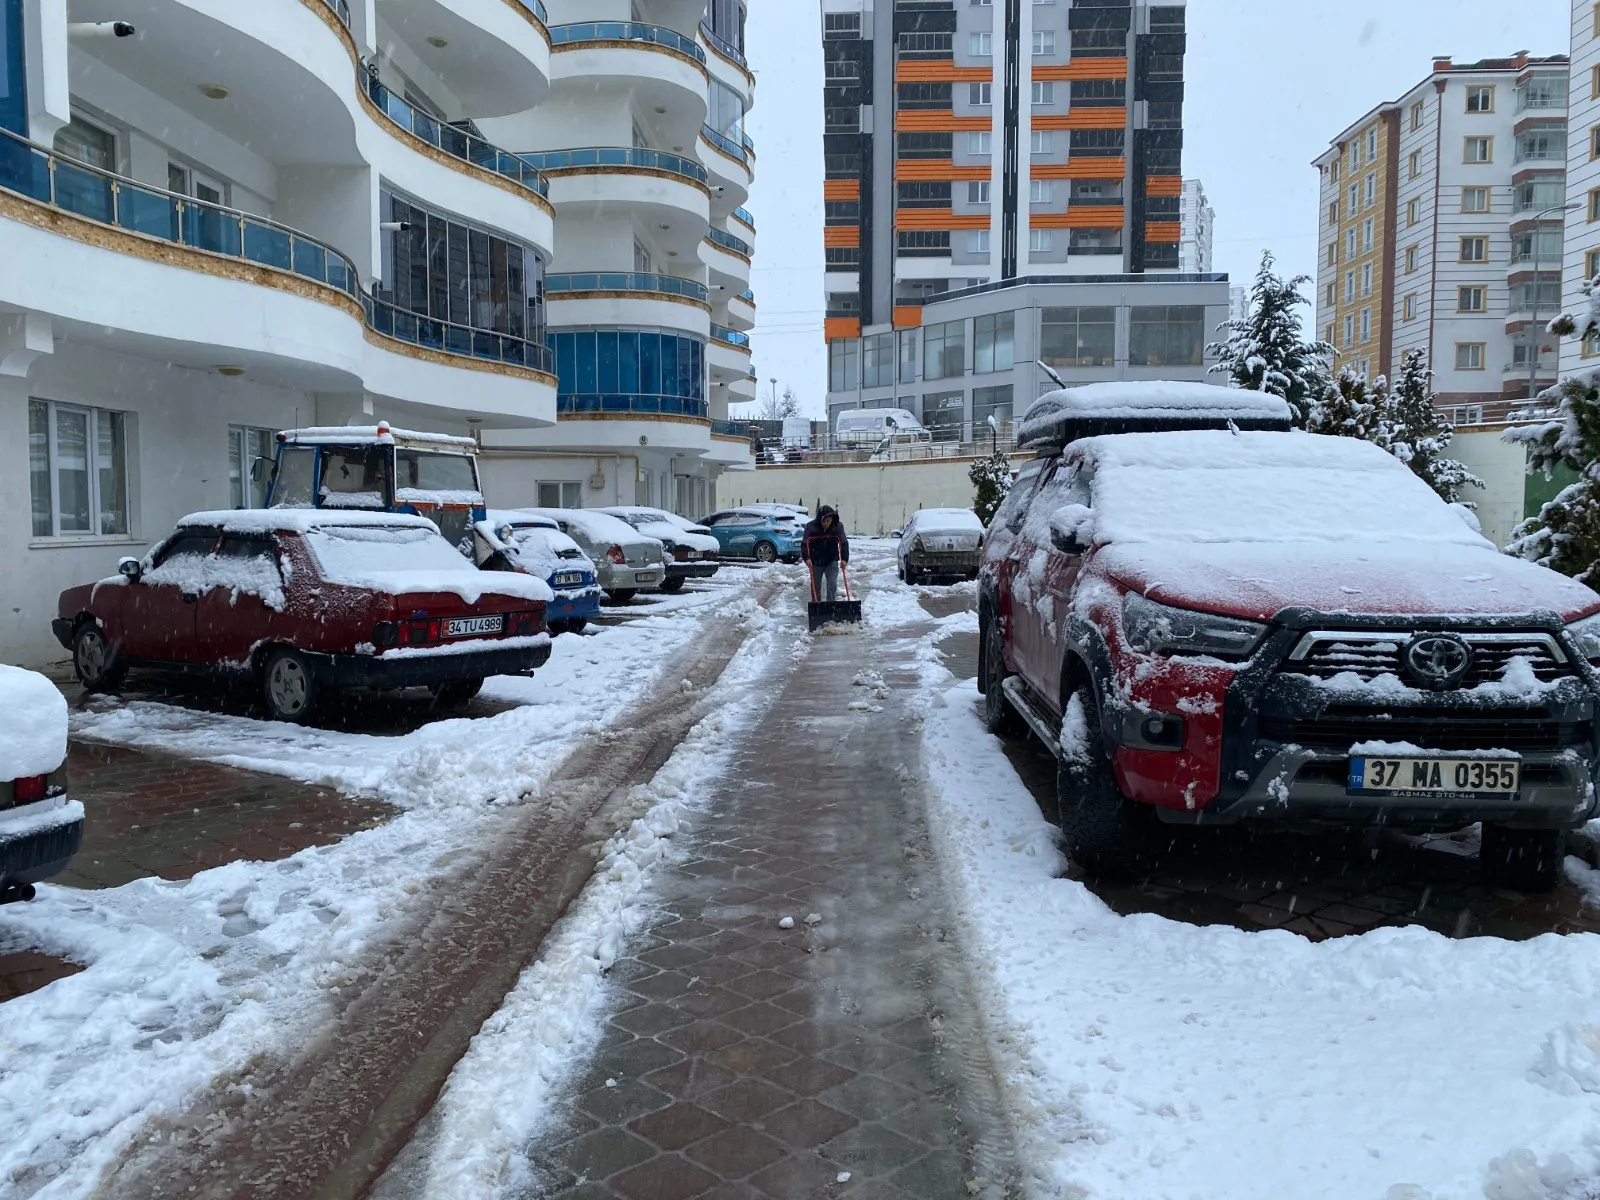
(1094, 217)
(841, 327)
(940, 71)
(907, 316)
(935, 120)
(936, 170)
(1167, 186)
(1083, 118)
(938, 218)
(841, 189)
(1163, 232)
(841, 235)
(1082, 68)
(1109, 169)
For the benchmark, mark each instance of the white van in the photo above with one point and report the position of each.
(869, 426)
(797, 433)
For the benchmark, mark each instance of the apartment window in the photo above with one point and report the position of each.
(1354, 201)
(1366, 280)
(1474, 250)
(1478, 150)
(981, 45)
(1044, 93)
(1367, 228)
(977, 241)
(908, 356)
(944, 350)
(247, 445)
(1469, 356)
(980, 95)
(1330, 295)
(1044, 41)
(1333, 253)
(88, 143)
(561, 494)
(978, 191)
(990, 402)
(1327, 334)
(1366, 324)
(1349, 330)
(1355, 156)
(1042, 142)
(1411, 259)
(1333, 212)
(877, 360)
(1372, 144)
(1078, 337)
(1474, 199)
(1416, 163)
(1594, 143)
(1333, 170)
(1349, 245)
(844, 365)
(1041, 191)
(1372, 189)
(1349, 287)
(1416, 115)
(1470, 300)
(1480, 99)
(1041, 241)
(994, 343)
(1167, 336)
(1591, 264)
(979, 142)
(1594, 204)
(1591, 345)
(77, 470)
(1413, 212)
(1408, 306)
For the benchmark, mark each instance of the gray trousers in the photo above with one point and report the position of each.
(827, 581)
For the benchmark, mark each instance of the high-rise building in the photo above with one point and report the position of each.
(1581, 253)
(1440, 230)
(1197, 219)
(490, 219)
(973, 142)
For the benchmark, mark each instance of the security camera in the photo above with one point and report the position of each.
(100, 29)
(394, 226)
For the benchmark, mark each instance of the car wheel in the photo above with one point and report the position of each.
(576, 624)
(766, 552)
(98, 667)
(622, 595)
(900, 571)
(1526, 859)
(673, 586)
(456, 693)
(289, 686)
(913, 576)
(1105, 833)
(998, 714)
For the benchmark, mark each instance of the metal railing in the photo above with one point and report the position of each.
(433, 334)
(731, 428)
(726, 144)
(536, 7)
(625, 281)
(594, 402)
(124, 203)
(728, 242)
(724, 45)
(458, 143)
(615, 156)
(748, 296)
(341, 9)
(731, 336)
(744, 215)
(1546, 153)
(1540, 100)
(749, 144)
(627, 31)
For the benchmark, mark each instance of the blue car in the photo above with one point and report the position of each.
(530, 545)
(764, 534)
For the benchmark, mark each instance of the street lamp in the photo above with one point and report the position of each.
(774, 382)
(994, 435)
(1534, 339)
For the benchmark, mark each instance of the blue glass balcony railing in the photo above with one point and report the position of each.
(749, 144)
(726, 144)
(626, 31)
(593, 402)
(85, 191)
(447, 338)
(724, 45)
(556, 286)
(341, 9)
(458, 143)
(728, 242)
(730, 428)
(615, 156)
(748, 296)
(536, 7)
(731, 336)
(743, 215)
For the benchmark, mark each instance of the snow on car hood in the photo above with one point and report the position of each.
(36, 724)
(400, 559)
(662, 531)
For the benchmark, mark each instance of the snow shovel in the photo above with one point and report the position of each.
(833, 612)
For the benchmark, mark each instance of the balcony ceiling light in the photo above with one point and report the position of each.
(212, 91)
(438, 43)
(230, 372)
(661, 109)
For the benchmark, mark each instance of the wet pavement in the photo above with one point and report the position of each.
(834, 1058)
(25, 971)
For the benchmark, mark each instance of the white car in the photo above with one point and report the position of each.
(627, 561)
(40, 828)
(692, 553)
(941, 542)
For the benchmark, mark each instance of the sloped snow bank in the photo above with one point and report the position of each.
(35, 741)
(1149, 1058)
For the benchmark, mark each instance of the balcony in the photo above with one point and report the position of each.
(738, 429)
(629, 282)
(644, 406)
(729, 163)
(724, 47)
(458, 143)
(554, 162)
(446, 338)
(742, 215)
(731, 337)
(727, 145)
(589, 299)
(648, 67)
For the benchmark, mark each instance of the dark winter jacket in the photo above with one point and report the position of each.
(824, 548)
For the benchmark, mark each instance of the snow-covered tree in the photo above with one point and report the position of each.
(1565, 536)
(991, 477)
(1419, 437)
(1352, 406)
(1267, 351)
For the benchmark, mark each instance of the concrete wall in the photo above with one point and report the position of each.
(1503, 469)
(873, 498)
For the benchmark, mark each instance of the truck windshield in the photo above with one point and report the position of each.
(291, 488)
(426, 471)
(354, 477)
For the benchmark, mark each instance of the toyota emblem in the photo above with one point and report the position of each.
(1438, 661)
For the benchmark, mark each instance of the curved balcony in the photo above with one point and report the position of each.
(456, 142)
(600, 299)
(649, 65)
(730, 446)
(744, 217)
(447, 338)
(643, 406)
(493, 56)
(728, 354)
(742, 310)
(729, 164)
(658, 188)
(729, 259)
(743, 390)
(728, 65)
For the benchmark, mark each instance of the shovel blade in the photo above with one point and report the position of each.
(833, 612)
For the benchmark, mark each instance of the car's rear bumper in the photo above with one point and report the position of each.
(631, 578)
(62, 628)
(568, 608)
(945, 562)
(691, 570)
(388, 671)
(45, 849)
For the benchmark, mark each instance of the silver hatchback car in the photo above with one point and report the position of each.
(626, 561)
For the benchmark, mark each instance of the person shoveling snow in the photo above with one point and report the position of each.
(825, 548)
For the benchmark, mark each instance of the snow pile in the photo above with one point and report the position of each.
(1155, 400)
(35, 737)
(399, 559)
(539, 549)
(944, 520)
(596, 528)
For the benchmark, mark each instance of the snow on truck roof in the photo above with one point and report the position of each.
(361, 435)
(1098, 408)
(298, 520)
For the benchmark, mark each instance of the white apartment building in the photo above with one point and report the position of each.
(248, 217)
(1581, 253)
(1198, 219)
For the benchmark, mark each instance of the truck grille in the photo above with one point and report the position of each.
(1368, 655)
(1340, 727)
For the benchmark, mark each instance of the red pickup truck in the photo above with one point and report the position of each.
(1274, 628)
(307, 602)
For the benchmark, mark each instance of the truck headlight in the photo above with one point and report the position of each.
(1587, 634)
(1161, 629)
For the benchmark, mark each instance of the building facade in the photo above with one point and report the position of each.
(1197, 219)
(1581, 251)
(1440, 230)
(254, 217)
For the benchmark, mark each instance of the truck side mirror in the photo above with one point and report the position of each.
(260, 468)
(1071, 529)
(130, 569)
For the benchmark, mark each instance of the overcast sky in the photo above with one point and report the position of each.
(1269, 82)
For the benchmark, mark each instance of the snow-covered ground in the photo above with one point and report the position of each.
(185, 982)
(1148, 1058)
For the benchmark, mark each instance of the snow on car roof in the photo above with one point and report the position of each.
(594, 525)
(36, 724)
(356, 435)
(495, 517)
(1051, 417)
(948, 518)
(298, 520)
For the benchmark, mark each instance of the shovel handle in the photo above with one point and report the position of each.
(811, 569)
(844, 572)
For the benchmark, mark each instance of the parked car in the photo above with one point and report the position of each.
(1282, 630)
(626, 560)
(307, 603)
(41, 828)
(944, 543)
(765, 534)
(513, 541)
(692, 553)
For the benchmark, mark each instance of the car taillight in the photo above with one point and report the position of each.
(616, 555)
(526, 624)
(30, 788)
(417, 633)
(385, 634)
(681, 554)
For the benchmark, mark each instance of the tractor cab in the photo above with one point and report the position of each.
(379, 469)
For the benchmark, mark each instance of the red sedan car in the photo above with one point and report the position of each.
(307, 602)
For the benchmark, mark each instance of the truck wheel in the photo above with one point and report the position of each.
(1526, 859)
(289, 687)
(766, 552)
(913, 576)
(1105, 832)
(998, 714)
(673, 586)
(98, 667)
(456, 693)
(622, 595)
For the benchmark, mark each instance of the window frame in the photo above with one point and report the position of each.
(1482, 355)
(1481, 294)
(93, 469)
(1488, 142)
(1481, 241)
(1480, 89)
(1192, 323)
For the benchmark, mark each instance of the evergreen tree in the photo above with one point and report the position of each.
(1266, 351)
(1418, 436)
(992, 478)
(1565, 536)
(1355, 408)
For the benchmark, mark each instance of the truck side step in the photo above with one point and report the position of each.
(1043, 726)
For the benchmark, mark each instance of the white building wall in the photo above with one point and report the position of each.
(1583, 172)
(1198, 219)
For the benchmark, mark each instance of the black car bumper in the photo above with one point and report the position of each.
(388, 671)
(691, 570)
(62, 628)
(945, 562)
(36, 856)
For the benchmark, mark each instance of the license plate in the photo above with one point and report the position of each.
(569, 578)
(647, 577)
(1435, 776)
(947, 544)
(473, 626)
